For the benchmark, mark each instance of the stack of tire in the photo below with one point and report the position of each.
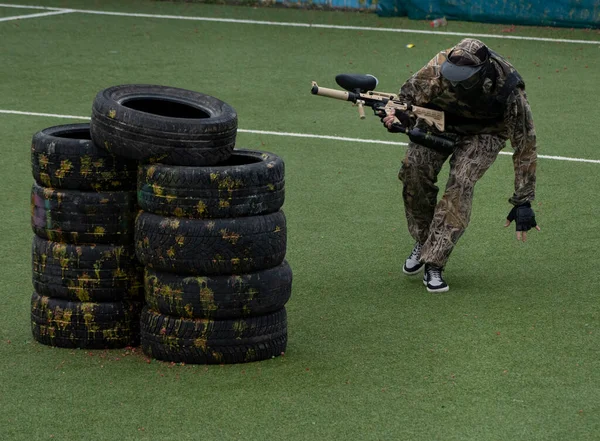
(87, 282)
(210, 233)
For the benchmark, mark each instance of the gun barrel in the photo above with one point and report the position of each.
(332, 93)
(430, 140)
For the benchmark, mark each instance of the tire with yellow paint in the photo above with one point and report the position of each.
(90, 273)
(249, 183)
(208, 247)
(85, 325)
(219, 297)
(208, 341)
(150, 123)
(80, 217)
(65, 157)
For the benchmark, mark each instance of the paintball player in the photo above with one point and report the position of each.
(485, 104)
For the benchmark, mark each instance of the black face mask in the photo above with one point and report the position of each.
(469, 93)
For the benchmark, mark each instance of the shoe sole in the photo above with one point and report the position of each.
(412, 273)
(438, 290)
(444, 289)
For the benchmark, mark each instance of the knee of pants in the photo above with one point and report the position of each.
(402, 172)
(416, 174)
(460, 186)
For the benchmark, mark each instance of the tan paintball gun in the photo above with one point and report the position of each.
(359, 89)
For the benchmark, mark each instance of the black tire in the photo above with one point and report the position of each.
(85, 325)
(205, 341)
(86, 273)
(79, 217)
(163, 124)
(212, 246)
(219, 297)
(249, 183)
(65, 157)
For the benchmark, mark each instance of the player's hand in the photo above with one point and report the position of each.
(388, 121)
(524, 218)
(394, 121)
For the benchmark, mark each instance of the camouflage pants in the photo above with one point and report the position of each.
(439, 225)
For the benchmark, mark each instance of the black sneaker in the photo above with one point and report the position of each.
(413, 265)
(432, 279)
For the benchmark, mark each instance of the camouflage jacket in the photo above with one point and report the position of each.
(428, 88)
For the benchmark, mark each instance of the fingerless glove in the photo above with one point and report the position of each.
(523, 216)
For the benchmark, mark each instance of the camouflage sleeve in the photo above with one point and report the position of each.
(521, 131)
(425, 84)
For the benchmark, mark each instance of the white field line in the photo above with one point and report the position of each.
(7, 5)
(41, 14)
(306, 25)
(50, 115)
(302, 135)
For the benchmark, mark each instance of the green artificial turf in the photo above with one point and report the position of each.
(510, 353)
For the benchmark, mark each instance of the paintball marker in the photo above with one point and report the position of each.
(359, 89)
